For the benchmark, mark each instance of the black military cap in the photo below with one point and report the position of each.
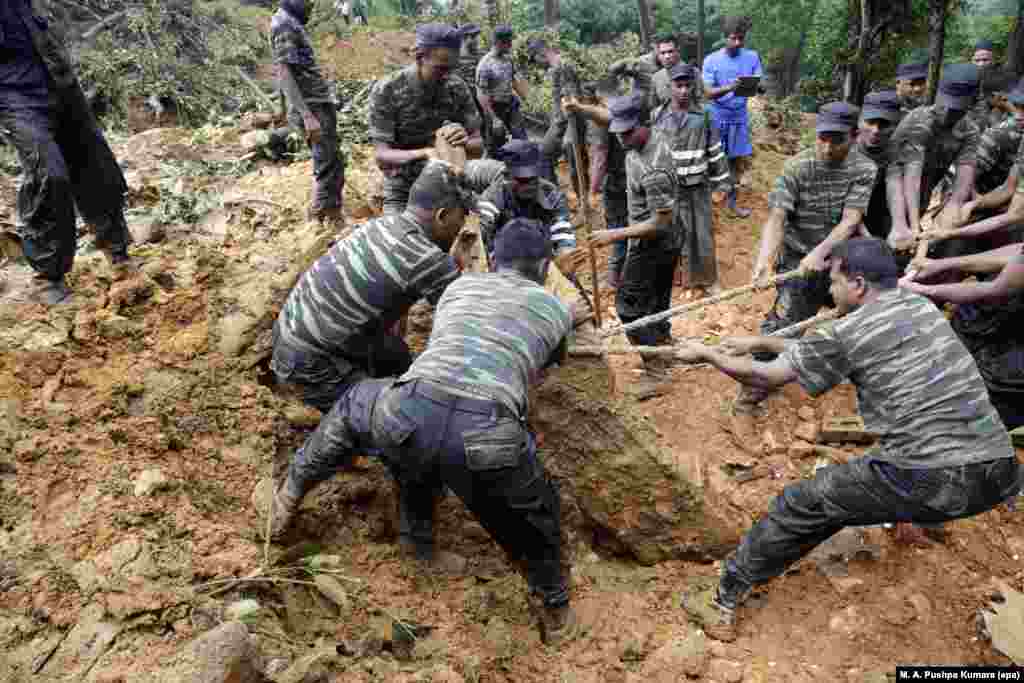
(438, 35)
(469, 30)
(912, 71)
(522, 239)
(1016, 95)
(521, 157)
(503, 32)
(438, 187)
(881, 104)
(837, 117)
(626, 112)
(958, 88)
(682, 70)
(984, 44)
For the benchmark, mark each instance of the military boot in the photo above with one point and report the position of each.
(431, 558)
(557, 625)
(281, 504)
(49, 292)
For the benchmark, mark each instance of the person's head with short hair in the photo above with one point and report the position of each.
(503, 35)
(912, 82)
(437, 51)
(523, 245)
(300, 9)
(626, 114)
(683, 78)
(440, 201)
(958, 92)
(522, 160)
(878, 118)
(984, 55)
(861, 268)
(994, 84)
(666, 48)
(834, 128)
(735, 30)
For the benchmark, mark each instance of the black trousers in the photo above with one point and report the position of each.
(646, 288)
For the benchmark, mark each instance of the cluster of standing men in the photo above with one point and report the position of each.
(940, 394)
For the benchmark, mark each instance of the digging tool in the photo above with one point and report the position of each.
(577, 150)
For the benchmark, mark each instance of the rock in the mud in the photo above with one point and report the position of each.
(90, 638)
(807, 431)
(150, 481)
(117, 326)
(806, 414)
(1003, 621)
(645, 500)
(309, 669)
(725, 670)
(224, 655)
(684, 655)
(148, 231)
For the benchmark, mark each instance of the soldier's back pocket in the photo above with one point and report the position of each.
(496, 447)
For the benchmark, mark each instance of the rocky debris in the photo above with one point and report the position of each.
(848, 622)
(806, 414)
(87, 641)
(223, 655)
(1002, 621)
(807, 431)
(684, 656)
(725, 670)
(150, 481)
(149, 231)
(309, 668)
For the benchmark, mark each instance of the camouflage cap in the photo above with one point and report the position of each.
(881, 104)
(429, 36)
(521, 157)
(521, 239)
(984, 44)
(682, 71)
(837, 117)
(912, 71)
(439, 187)
(626, 112)
(958, 88)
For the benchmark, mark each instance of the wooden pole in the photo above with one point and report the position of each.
(584, 201)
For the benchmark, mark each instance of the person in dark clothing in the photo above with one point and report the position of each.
(65, 160)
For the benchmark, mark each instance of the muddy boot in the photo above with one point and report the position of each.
(282, 505)
(50, 292)
(716, 617)
(737, 211)
(558, 625)
(436, 560)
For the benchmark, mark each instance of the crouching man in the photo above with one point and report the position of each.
(942, 453)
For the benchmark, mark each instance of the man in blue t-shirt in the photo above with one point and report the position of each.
(722, 70)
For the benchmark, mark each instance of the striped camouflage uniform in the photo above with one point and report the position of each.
(699, 164)
(499, 204)
(333, 328)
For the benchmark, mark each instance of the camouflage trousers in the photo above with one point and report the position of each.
(864, 491)
(429, 439)
(328, 161)
(647, 277)
(66, 162)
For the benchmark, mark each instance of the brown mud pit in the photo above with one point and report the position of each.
(136, 420)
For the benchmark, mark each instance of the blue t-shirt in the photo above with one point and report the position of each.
(22, 72)
(721, 70)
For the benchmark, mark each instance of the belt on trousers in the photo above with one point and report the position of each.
(481, 406)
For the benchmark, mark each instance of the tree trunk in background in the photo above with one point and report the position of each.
(552, 14)
(646, 28)
(1015, 46)
(700, 33)
(937, 11)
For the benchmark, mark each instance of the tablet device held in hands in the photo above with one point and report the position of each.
(747, 86)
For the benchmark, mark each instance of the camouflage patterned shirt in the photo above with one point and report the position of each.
(814, 194)
(917, 386)
(920, 144)
(364, 284)
(405, 112)
(651, 187)
(494, 76)
(997, 154)
(493, 334)
(499, 204)
(290, 44)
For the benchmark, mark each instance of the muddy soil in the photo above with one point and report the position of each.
(133, 427)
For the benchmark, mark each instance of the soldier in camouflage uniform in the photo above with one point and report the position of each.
(927, 142)
(818, 202)
(65, 160)
(310, 106)
(408, 107)
(334, 327)
(878, 121)
(911, 85)
(914, 380)
(700, 164)
(500, 91)
(457, 418)
(987, 318)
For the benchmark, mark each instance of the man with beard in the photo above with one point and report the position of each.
(500, 90)
(818, 202)
(942, 452)
(927, 142)
(310, 107)
(878, 121)
(408, 107)
(65, 160)
(722, 71)
(911, 85)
